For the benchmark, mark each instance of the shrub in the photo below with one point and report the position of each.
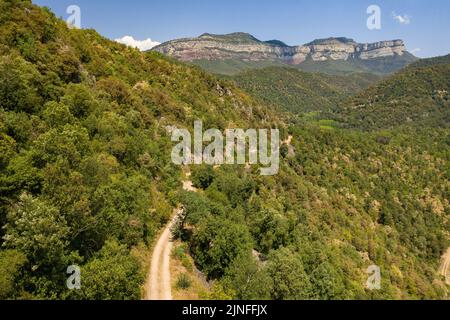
(183, 282)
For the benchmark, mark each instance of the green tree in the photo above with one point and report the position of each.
(38, 230)
(19, 85)
(327, 283)
(248, 279)
(113, 274)
(11, 261)
(203, 176)
(290, 281)
(217, 242)
(57, 114)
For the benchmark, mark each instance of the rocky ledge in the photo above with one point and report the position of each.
(243, 46)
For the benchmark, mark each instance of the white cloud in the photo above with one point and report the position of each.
(416, 50)
(142, 45)
(402, 19)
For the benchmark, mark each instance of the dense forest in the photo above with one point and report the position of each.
(416, 96)
(296, 91)
(86, 176)
(86, 179)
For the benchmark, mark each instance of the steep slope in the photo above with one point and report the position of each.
(298, 92)
(417, 95)
(85, 168)
(343, 201)
(325, 55)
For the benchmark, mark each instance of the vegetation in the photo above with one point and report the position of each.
(431, 62)
(183, 282)
(345, 201)
(86, 178)
(377, 67)
(417, 95)
(85, 166)
(380, 66)
(232, 67)
(298, 92)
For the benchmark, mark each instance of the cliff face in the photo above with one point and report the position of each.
(242, 46)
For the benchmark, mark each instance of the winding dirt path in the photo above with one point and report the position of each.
(158, 285)
(158, 282)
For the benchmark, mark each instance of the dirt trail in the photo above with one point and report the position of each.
(158, 285)
(444, 269)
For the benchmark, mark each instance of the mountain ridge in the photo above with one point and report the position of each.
(245, 47)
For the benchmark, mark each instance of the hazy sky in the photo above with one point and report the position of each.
(423, 24)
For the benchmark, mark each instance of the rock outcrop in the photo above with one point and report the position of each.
(245, 47)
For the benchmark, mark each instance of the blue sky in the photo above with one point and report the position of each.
(423, 24)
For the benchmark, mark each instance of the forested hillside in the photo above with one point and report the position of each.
(344, 201)
(234, 67)
(418, 95)
(86, 179)
(298, 92)
(85, 165)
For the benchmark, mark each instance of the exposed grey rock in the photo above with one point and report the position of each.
(245, 47)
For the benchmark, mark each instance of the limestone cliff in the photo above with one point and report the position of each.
(245, 47)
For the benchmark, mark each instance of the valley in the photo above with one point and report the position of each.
(87, 178)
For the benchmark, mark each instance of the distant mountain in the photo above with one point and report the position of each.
(418, 95)
(323, 55)
(297, 91)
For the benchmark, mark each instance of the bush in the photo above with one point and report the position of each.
(11, 261)
(179, 253)
(203, 176)
(183, 282)
(112, 274)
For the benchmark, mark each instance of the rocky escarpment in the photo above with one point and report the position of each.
(242, 46)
